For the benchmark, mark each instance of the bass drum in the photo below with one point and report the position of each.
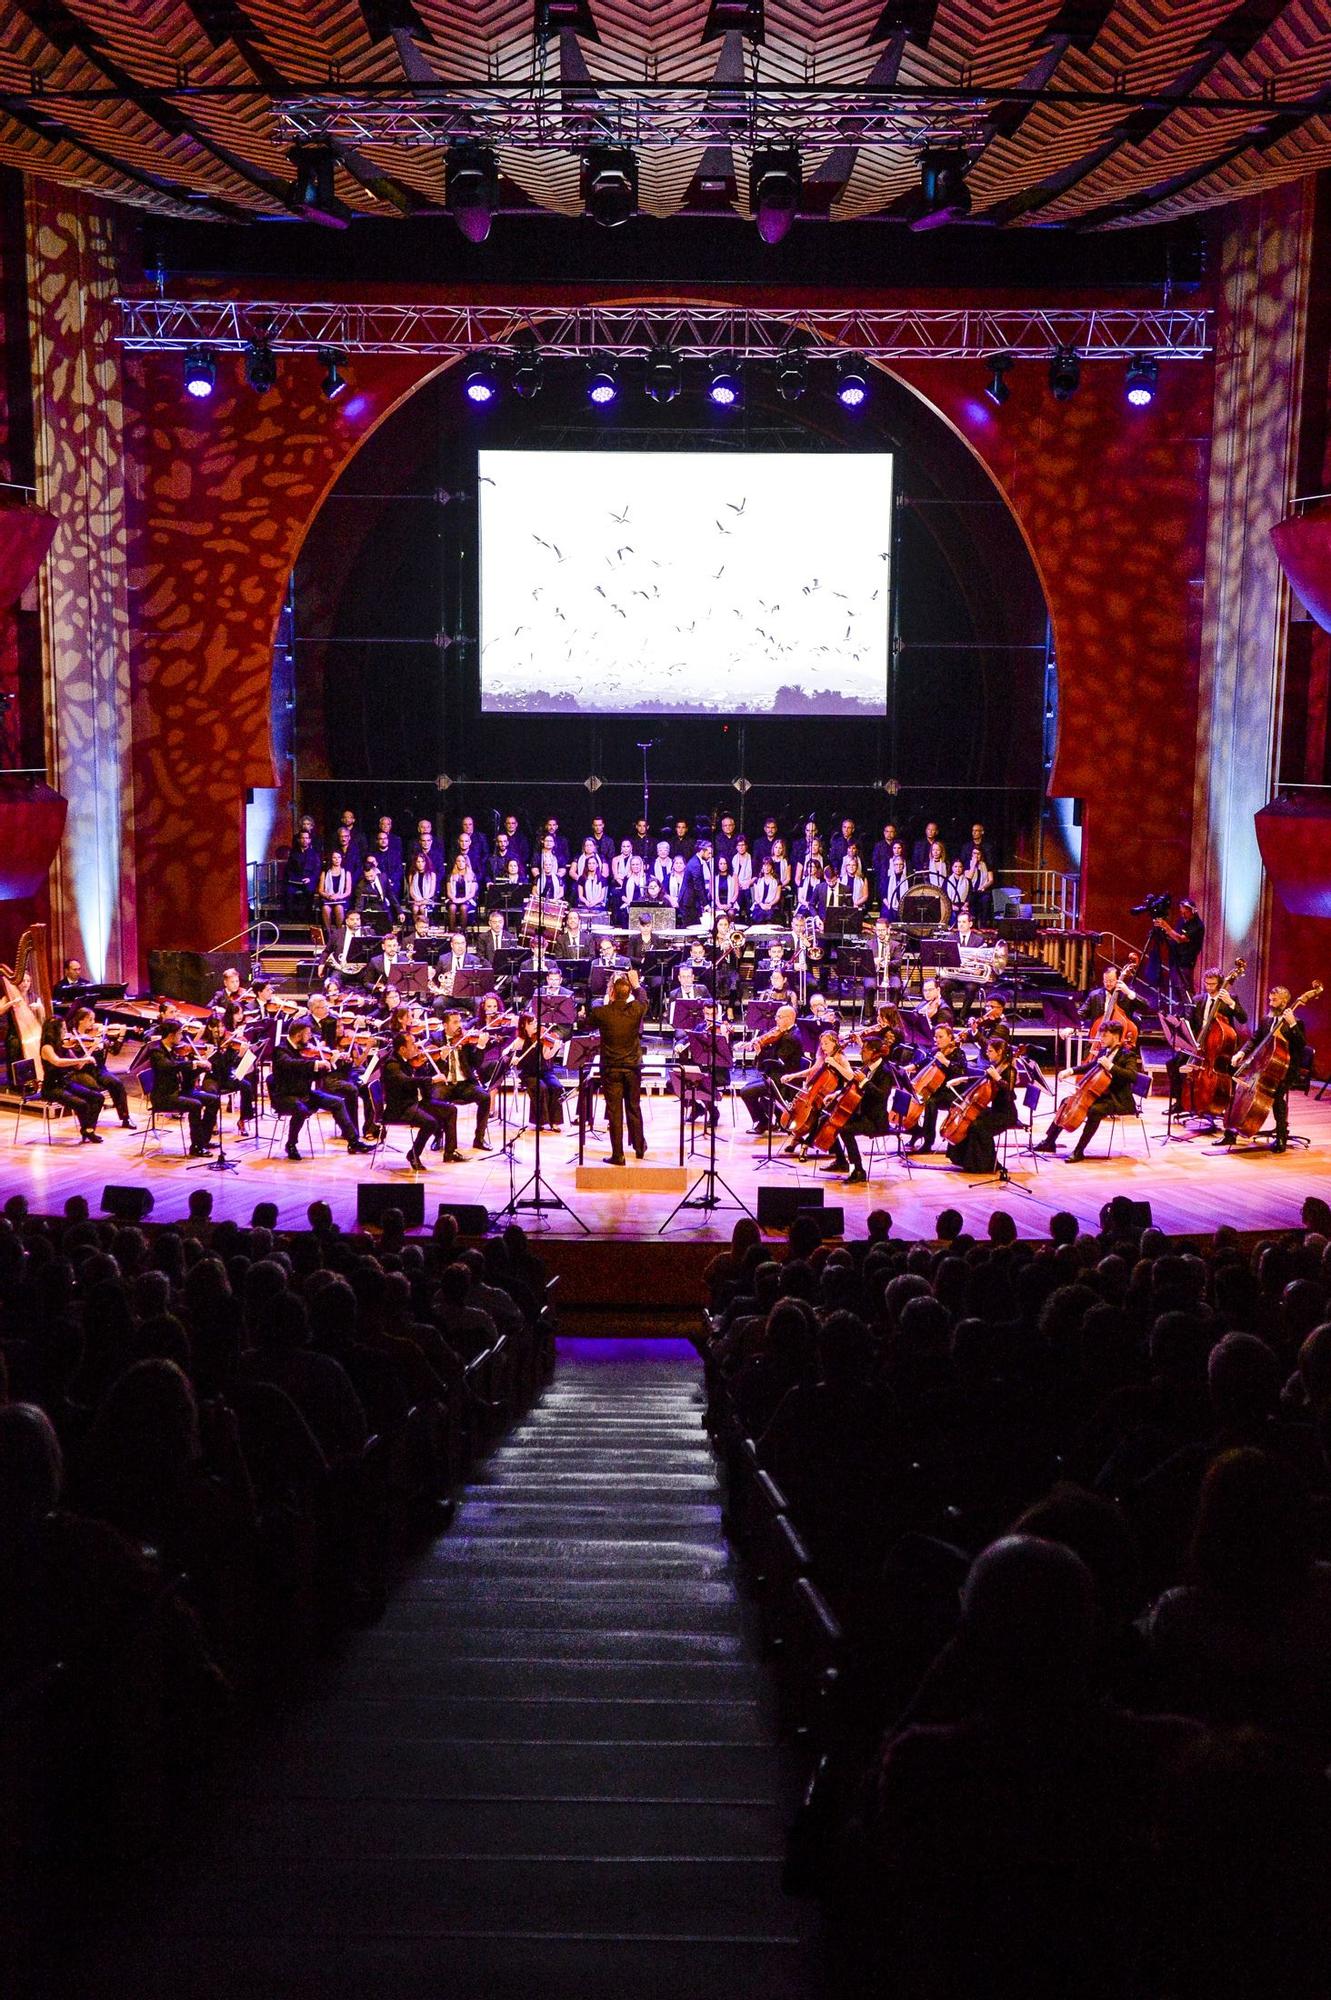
(926, 908)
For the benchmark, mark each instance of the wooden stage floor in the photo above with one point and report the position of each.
(1191, 1186)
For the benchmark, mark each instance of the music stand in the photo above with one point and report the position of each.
(579, 1057)
(1180, 1041)
(542, 1196)
(709, 1180)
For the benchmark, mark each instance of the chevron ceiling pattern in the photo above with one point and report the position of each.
(1081, 113)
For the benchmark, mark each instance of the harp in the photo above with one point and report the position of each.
(25, 995)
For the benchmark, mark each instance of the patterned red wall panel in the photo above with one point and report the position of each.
(223, 493)
(1112, 504)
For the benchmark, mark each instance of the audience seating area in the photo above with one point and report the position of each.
(216, 1446)
(1039, 1538)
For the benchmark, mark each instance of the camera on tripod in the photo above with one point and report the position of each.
(1152, 906)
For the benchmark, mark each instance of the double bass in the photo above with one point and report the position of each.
(1115, 1012)
(1208, 1082)
(1264, 1069)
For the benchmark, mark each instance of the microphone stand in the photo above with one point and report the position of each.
(709, 1180)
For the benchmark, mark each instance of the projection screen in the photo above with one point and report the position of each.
(684, 583)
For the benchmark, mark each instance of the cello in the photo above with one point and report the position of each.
(848, 1101)
(1208, 1082)
(821, 1080)
(1096, 1077)
(926, 1083)
(1264, 1068)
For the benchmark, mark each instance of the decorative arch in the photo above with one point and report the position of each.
(1109, 501)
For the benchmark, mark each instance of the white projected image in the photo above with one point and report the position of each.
(685, 583)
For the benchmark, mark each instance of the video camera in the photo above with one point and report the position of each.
(1152, 906)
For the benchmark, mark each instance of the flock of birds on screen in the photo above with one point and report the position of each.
(611, 670)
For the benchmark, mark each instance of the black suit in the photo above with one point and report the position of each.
(407, 1102)
(468, 1089)
(173, 1088)
(298, 1089)
(1297, 1038)
(619, 1023)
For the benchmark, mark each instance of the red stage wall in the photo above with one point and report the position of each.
(1111, 502)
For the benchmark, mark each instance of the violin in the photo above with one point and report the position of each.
(1208, 1083)
(1262, 1071)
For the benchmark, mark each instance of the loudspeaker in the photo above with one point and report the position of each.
(126, 1204)
(831, 1222)
(373, 1197)
(778, 1206)
(1139, 1214)
(472, 1218)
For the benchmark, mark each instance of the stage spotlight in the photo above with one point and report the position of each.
(792, 375)
(610, 184)
(663, 375)
(260, 366)
(775, 184)
(200, 372)
(723, 385)
(602, 382)
(334, 381)
(471, 187)
(1064, 373)
(943, 187)
(997, 389)
(852, 384)
(1140, 381)
(480, 384)
(527, 376)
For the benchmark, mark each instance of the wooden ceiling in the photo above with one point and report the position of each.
(169, 104)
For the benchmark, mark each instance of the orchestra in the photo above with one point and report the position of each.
(452, 975)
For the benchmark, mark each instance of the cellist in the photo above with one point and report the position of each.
(1117, 1101)
(830, 1060)
(976, 1152)
(876, 1080)
(1280, 1016)
(1215, 1002)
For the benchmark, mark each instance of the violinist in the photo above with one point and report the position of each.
(989, 1021)
(228, 1045)
(976, 1151)
(1214, 1003)
(233, 1000)
(174, 1086)
(301, 1085)
(948, 1054)
(1279, 1016)
(1121, 1064)
(776, 1053)
(459, 1061)
(491, 1018)
(875, 1079)
(933, 1011)
(408, 1075)
(85, 1034)
(338, 1082)
(533, 1062)
(69, 1079)
(355, 1051)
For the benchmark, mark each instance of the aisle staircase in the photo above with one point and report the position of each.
(548, 1770)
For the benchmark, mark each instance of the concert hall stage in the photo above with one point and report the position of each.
(1191, 1186)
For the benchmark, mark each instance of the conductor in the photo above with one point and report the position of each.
(619, 1021)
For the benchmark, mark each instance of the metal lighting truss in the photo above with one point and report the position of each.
(891, 333)
(635, 114)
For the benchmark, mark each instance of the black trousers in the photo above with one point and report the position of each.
(622, 1090)
(545, 1101)
(847, 1147)
(432, 1123)
(202, 1106)
(470, 1093)
(303, 1108)
(345, 1091)
(244, 1088)
(82, 1098)
(112, 1087)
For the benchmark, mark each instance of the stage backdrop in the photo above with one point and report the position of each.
(221, 495)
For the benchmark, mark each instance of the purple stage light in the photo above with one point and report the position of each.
(200, 373)
(1140, 380)
(480, 385)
